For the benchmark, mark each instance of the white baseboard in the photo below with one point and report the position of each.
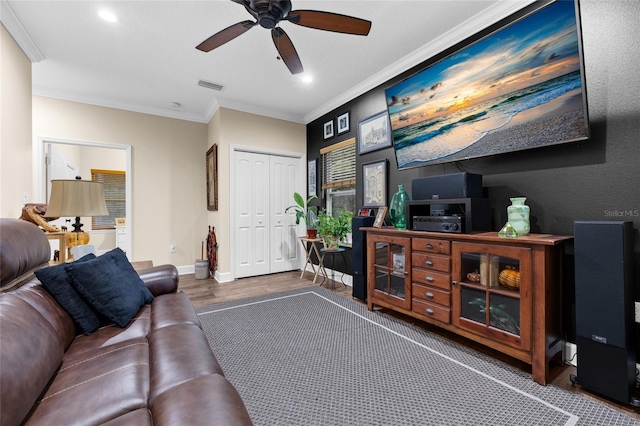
(191, 269)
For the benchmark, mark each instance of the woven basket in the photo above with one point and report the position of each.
(510, 278)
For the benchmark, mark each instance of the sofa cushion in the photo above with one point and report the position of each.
(110, 285)
(56, 281)
(31, 353)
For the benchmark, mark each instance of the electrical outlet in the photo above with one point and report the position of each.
(637, 316)
(25, 197)
(172, 248)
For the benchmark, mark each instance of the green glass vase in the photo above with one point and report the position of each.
(518, 215)
(397, 208)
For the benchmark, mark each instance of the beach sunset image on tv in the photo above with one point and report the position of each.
(520, 87)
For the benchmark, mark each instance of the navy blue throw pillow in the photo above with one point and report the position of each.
(111, 286)
(56, 281)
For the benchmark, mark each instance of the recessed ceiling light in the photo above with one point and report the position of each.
(107, 16)
(307, 78)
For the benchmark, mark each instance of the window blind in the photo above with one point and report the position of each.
(339, 164)
(113, 182)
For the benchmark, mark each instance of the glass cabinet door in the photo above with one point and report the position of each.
(391, 270)
(491, 291)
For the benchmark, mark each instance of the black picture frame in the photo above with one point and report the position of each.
(328, 130)
(374, 133)
(374, 183)
(343, 123)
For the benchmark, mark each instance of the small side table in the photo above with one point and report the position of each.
(312, 247)
(333, 253)
(62, 244)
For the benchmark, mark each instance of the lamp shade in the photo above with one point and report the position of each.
(73, 197)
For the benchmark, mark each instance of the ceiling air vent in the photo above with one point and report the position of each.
(210, 85)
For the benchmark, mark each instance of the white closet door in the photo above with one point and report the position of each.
(251, 236)
(285, 247)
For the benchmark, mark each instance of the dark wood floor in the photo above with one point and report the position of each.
(207, 292)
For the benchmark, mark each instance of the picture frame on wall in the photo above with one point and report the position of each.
(312, 171)
(343, 123)
(374, 133)
(212, 178)
(374, 184)
(327, 129)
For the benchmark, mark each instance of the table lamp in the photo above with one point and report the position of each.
(77, 198)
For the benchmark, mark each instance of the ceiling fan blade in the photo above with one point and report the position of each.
(225, 35)
(286, 50)
(329, 21)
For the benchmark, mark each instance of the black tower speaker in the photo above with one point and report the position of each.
(359, 255)
(605, 308)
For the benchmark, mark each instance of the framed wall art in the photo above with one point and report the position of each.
(212, 178)
(374, 184)
(343, 123)
(374, 133)
(313, 177)
(327, 130)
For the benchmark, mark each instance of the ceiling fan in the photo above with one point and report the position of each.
(268, 13)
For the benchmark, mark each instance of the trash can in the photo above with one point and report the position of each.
(202, 269)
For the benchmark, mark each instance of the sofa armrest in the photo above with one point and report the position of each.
(161, 279)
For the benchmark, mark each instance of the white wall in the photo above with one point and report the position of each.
(15, 126)
(168, 169)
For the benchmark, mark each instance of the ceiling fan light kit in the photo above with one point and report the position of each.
(268, 14)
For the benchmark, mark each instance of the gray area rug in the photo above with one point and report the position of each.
(310, 357)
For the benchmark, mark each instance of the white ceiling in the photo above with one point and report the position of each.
(148, 60)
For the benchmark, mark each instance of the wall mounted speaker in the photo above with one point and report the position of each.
(605, 305)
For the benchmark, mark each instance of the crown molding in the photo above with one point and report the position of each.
(120, 105)
(252, 109)
(468, 28)
(19, 33)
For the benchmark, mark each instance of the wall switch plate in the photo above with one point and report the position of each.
(172, 248)
(637, 316)
(25, 197)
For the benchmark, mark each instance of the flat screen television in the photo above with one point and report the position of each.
(519, 87)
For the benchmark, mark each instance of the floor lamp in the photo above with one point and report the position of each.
(79, 198)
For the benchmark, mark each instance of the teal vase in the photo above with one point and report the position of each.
(397, 208)
(518, 215)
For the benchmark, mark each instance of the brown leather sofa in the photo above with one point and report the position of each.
(158, 370)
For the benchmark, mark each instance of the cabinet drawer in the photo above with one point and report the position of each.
(431, 278)
(429, 245)
(436, 312)
(120, 231)
(429, 261)
(431, 295)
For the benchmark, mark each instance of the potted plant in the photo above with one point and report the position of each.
(334, 229)
(306, 212)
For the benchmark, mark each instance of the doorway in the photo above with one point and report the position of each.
(40, 171)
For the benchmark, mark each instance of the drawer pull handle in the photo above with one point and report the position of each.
(429, 295)
(428, 262)
(429, 245)
(430, 279)
(429, 311)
